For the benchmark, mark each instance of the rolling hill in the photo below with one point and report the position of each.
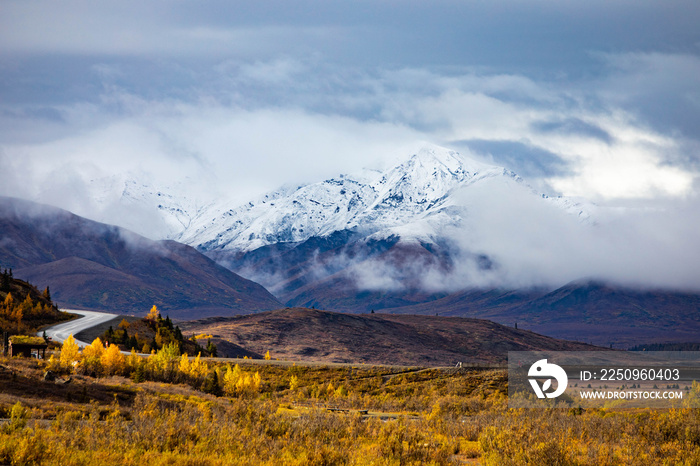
(315, 335)
(91, 265)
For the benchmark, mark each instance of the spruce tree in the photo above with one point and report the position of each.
(133, 343)
(211, 384)
(211, 349)
(5, 281)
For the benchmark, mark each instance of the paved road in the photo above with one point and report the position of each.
(60, 332)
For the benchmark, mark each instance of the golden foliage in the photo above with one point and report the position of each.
(133, 361)
(70, 354)
(198, 368)
(53, 364)
(195, 369)
(153, 314)
(113, 361)
(92, 355)
(184, 366)
(293, 382)
(238, 382)
(344, 415)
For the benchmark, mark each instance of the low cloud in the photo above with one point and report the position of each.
(377, 275)
(532, 242)
(520, 242)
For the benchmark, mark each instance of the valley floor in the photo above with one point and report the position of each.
(318, 415)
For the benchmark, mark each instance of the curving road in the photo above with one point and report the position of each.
(60, 332)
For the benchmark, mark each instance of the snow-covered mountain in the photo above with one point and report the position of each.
(399, 228)
(413, 225)
(414, 200)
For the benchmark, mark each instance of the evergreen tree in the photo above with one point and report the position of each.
(139, 375)
(5, 281)
(211, 349)
(133, 343)
(47, 294)
(211, 384)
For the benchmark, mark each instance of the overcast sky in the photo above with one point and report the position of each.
(597, 99)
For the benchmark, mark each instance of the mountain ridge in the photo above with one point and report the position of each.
(409, 191)
(102, 267)
(416, 207)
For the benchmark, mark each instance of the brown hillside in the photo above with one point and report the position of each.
(313, 335)
(101, 267)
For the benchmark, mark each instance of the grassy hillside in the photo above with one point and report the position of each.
(102, 267)
(314, 335)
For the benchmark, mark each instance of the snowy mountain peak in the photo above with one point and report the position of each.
(432, 162)
(427, 176)
(412, 199)
(435, 156)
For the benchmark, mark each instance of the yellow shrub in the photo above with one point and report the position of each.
(184, 366)
(113, 361)
(236, 381)
(92, 355)
(199, 368)
(70, 353)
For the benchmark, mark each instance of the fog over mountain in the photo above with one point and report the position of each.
(91, 265)
(483, 226)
